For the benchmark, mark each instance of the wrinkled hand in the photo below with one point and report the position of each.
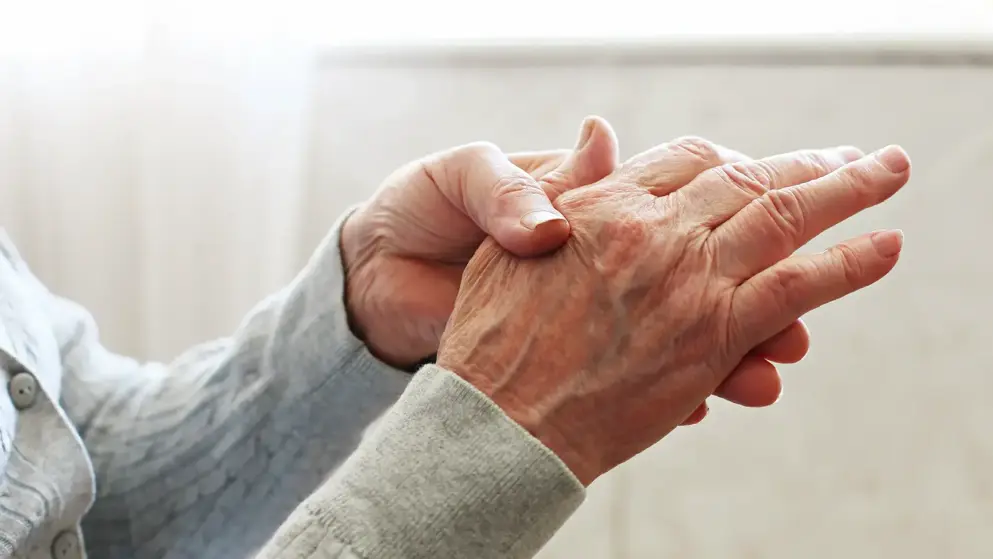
(404, 250)
(667, 284)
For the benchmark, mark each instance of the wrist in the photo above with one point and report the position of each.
(528, 404)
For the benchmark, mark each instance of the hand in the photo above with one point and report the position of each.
(667, 283)
(404, 251)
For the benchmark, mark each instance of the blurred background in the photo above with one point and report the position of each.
(169, 163)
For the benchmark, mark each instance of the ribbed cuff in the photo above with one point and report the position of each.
(447, 474)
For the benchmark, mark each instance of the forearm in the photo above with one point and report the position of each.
(209, 454)
(446, 474)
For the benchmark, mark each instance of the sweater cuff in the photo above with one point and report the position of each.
(447, 474)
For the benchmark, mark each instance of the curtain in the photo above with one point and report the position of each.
(152, 168)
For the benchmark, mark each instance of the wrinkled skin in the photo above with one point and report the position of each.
(405, 249)
(668, 282)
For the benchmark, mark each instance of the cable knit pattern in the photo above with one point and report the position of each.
(207, 456)
(201, 458)
(446, 474)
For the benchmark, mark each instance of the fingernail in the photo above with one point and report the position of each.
(532, 220)
(887, 243)
(850, 153)
(585, 133)
(894, 159)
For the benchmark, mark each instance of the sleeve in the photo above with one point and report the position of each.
(446, 474)
(207, 455)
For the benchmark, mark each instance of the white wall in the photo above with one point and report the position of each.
(53, 25)
(881, 446)
(168, 196)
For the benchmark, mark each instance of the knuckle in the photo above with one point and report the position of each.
(849, 264)
(785, 209)
(816, 163)
(751, 177)
(649, 176)
(785, 284)
(858, 179)
(698, 147)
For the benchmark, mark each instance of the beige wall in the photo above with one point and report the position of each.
(882, 445)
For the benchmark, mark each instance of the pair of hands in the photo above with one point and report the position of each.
(405, 250)
(676, 281)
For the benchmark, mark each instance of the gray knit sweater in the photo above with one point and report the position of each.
(258, 441)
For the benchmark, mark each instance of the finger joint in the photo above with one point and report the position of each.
(858, 179)
(850, 265)
(816, 163)
(786, 285)
(754, 180)
(698, 147)
(785, 209)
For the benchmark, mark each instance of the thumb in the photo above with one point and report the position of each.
(518, 212)
(511, 206)
(503, 200)
(594, 157)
